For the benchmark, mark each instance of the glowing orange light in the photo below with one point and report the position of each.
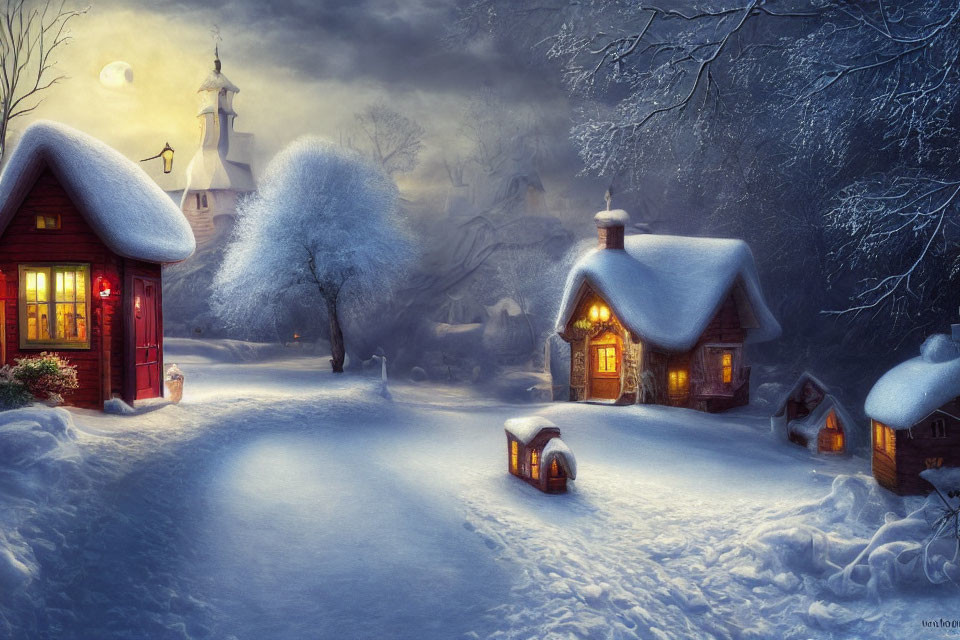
(604, 314)
(594, 313)
(104, 288)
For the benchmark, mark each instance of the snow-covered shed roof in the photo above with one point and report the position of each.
(129, 212)
(526, 429)
(666, 289)
(794, 391)
(810, 425)
(558, 449)
(912, 390)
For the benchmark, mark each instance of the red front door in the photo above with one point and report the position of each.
(146, 321)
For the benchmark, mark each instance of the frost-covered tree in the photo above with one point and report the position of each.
(389, 138)
(324, 225)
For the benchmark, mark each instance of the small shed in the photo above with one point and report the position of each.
(914, 412)
(536, 453)
(84, 233)
(810, 416)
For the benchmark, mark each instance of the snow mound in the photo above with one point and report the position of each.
(558, 449)
(666, 289)
(526, 429)
(127, 210)
(29, 435)
(118, 407)
(939, 348)
(911, 391)
(612, 218)
(945, 478)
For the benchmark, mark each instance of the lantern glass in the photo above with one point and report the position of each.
(604, 313)
(594, 313)
(167, 156)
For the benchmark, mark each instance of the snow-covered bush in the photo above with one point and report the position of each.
(13, 393)
(46, 376)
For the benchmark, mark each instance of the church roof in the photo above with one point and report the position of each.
(215, 81)
(666, 289)
(128, 211)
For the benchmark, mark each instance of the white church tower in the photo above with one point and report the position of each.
(219, 173)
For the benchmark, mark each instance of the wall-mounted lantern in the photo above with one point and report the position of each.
(104, 287)
(166, 154)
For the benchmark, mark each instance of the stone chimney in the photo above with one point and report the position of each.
(610, 226)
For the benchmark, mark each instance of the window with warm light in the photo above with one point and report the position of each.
(883, 439)
(726, 362)
(678, 382)
(513, 454)
(54, 306)
(48, 221)
(606, 359)
(554, 469)
(535, 464)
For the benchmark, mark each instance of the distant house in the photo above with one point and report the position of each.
(83, 235)
(915, 416)
(810, 416)
(662, 319)
(536, 453)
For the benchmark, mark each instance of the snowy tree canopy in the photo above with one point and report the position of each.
(323, 226)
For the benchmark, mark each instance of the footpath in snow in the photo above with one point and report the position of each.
(280, 501)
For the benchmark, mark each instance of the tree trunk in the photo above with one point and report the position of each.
(337, 351)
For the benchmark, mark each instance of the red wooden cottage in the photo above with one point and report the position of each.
(662, 319)
(84, 234)
(810, 416)
(536, 453)
(914, 411)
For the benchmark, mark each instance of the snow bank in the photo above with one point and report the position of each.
(526, 429)
(557, 448)
(666, 289)
(128, 211)
(856, 540)
(911, 391)
(29, 435)
(220, 351)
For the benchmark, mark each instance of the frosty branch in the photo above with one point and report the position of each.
(30, 36)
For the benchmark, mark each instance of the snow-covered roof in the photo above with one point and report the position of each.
(794, 391)
(209, 170)
(666, 289)
(215, 81)
(911, 391)
(526, 429)
(557, 448)
(129, 212)
(612, 218)
(810, 425)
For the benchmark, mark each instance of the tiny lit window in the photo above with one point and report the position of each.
(727, 363)
(535, 464)
(933, 463)
(607, 360)
(554, 469)
(48, 221)
(513, 454)
(54, 306)
(678, 382)
(939, 428)
(884, 439)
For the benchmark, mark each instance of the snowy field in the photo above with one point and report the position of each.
(281, 501)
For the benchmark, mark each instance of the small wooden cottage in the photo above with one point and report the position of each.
(83, 234)
(536, 453)
(810, 416)
(914, 411)
(662, 319)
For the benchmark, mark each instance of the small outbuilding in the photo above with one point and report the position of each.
(659, 319)
(914, 411)
(84, 233)
(810, 416)
(536, 453)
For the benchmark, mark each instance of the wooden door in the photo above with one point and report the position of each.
(605, 362)
(146, 323)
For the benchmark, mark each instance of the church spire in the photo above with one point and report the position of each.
(216, 58)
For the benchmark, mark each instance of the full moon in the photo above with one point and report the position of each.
(116, 75)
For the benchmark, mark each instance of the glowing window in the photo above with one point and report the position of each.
(48, 221)
(727, 364)
(678, 382)
(606, 360)
(513, 455)
(832, 420)
(535, 464)
(554, 469)
(884, 439)
(54, 306)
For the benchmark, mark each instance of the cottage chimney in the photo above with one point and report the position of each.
(610, 226)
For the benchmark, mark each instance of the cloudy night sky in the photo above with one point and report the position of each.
(302, 67)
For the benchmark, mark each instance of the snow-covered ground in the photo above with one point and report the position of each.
(281, 501)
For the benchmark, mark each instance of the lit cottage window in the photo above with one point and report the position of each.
(727, 364)
(535, 464)
(883, 439)
(607, 359)
(54, 306)
(513, 455)
(678, 383)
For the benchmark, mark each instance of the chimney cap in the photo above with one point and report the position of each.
(612, 218)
